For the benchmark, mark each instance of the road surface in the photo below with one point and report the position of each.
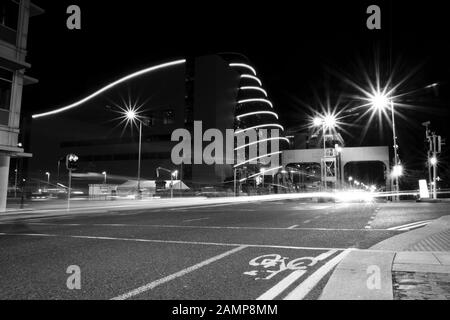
(264, 250)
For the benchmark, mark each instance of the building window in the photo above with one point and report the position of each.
(5, 95)
(9, 15)
(168, 117)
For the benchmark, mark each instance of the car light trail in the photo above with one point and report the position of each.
(261, 173)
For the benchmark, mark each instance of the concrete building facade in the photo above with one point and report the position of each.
(220, 90)
(14, 20)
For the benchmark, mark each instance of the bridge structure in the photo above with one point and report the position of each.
(333, 161)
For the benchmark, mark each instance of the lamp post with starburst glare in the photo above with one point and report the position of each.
(380, 101)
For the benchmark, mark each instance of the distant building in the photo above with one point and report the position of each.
(222, 90)
(14, 17)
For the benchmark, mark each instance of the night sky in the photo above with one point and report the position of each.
(302, 51)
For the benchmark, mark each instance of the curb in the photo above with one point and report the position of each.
(362, 275)
(403, 241)
(351, 280)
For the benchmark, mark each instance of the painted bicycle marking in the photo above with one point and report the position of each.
(270, 265)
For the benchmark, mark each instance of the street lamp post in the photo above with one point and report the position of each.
(48, 179)
(139, 158)
(433, 161)
(15, 180)
(329, 122)
(380, 101)
(396, 159)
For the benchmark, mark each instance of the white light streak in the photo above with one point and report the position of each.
(243, 65)
(109, 86)
(260, 126)
(256, 100)
(249, 76)
(254, 88)
(260, 141)
(255, 113)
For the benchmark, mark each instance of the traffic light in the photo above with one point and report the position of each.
(72, 162)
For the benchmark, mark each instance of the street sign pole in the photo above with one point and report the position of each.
(70, 189)
(235, 183)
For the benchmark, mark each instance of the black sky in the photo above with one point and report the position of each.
(298, 47)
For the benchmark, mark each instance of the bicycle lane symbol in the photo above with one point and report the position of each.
(270, 265)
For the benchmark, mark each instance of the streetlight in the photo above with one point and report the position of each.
(380, 101)
(132, 116)
(104, 175)
(48, 179)
(433, 161)
(327, 121)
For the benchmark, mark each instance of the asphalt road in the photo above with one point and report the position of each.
(264, 250)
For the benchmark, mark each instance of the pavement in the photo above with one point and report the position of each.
(266, 249)
(411, 266)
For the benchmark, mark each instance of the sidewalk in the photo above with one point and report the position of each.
(411, 266)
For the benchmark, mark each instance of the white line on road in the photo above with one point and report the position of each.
(219, 244)
(199, 219)
(178, 274)
(281, 286)
(410, 225)
(188, 227)
(293, 227)
(306, 286)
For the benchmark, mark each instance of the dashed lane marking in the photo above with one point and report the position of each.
(293, 227)
(178, 274)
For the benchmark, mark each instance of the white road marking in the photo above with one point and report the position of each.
(410, 225)
(276, 290)
(219, 244)
(281, 286)
(178, 274)
(188, 227)
(306, 286)
(293, 227)
(199, 219)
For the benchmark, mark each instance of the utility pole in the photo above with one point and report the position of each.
(435, 144)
